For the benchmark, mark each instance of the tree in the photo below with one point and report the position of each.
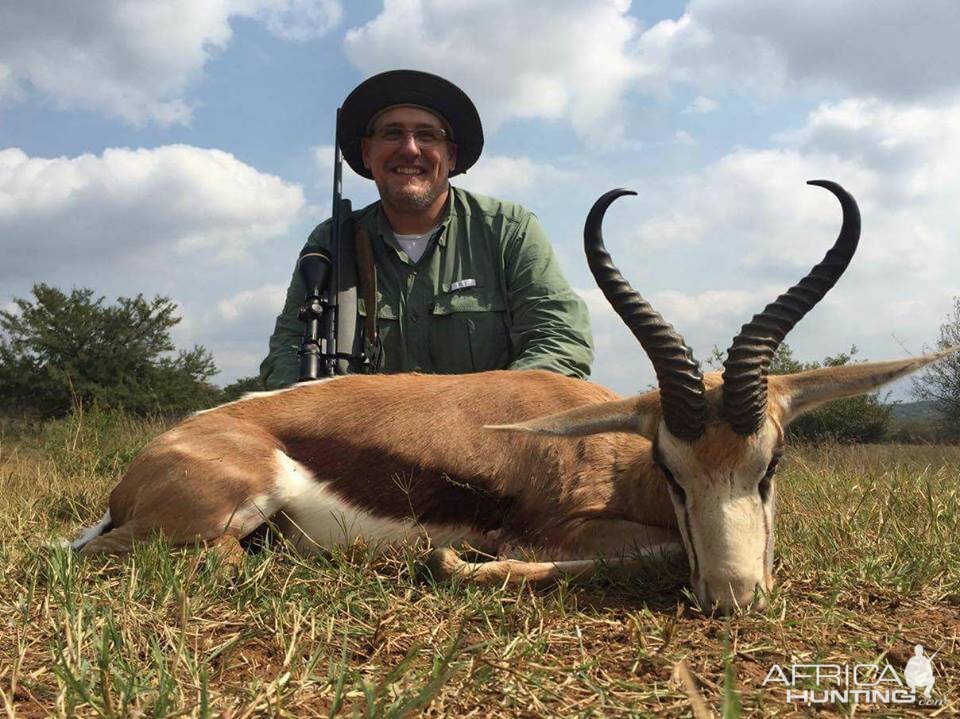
(242, 386)
(58, 350)
(860, 419)
(941, 380)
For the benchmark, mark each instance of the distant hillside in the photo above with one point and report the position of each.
(923, 411)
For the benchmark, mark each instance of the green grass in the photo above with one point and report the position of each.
(869, 565)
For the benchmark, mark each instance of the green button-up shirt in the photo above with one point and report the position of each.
(486, 294)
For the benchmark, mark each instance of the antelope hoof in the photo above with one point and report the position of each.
(228, 553)
(444, 563)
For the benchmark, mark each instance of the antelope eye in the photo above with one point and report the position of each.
(764, 488)
(673, 484)
(772, 467)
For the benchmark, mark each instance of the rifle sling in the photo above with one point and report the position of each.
(367, 279)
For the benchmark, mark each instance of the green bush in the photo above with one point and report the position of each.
(242, 386)
(59, 352)
(854, 420)
(941, 380)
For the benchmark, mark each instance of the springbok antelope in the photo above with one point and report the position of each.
(560, 467)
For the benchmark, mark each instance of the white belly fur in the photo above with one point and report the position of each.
(313, 517)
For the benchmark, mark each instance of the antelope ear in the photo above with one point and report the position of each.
(638, 415)
(795, 394)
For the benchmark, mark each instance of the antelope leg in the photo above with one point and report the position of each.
(445, 563)
(592, 538)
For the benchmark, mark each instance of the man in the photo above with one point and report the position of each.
(465, 283)
(919, 672)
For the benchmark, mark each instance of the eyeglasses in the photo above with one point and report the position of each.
(425, 137)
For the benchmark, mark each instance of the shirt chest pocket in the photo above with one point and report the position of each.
(469, 331)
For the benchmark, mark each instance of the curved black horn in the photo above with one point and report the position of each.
(748, 359)
(678, 373)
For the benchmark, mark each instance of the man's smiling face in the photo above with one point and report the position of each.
(409, 177)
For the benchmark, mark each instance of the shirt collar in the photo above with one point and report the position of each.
(386, 232)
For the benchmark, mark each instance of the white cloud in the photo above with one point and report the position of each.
(746, 221)
(133, 59)
(9, 89)
(359, 190)
(577, 61)
(548, 59)
(890, 49)
(241, 305)
(704, 320)
(702, 105)
(619, 360)
(235, 328)
(753, 199)
(710, 308)
(297, 20)
(173, 201)
(902, 163)
(513, 177)
(915, 146)
(237, 360)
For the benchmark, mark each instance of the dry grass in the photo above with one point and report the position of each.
(869, 565)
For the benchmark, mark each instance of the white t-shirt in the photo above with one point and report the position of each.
(415, 245)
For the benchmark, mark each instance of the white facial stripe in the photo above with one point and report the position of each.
(726, 527)
(769, 517)
(766, 538)
(683, 524)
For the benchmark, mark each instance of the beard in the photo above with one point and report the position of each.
(411, 199)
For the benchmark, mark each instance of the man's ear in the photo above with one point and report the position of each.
(795, 394)
(637, 415)
(365, 151)
(452, 154)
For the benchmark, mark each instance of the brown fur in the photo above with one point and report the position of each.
(418, 448)
(422, 447)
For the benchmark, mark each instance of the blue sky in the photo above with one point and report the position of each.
(184, 148)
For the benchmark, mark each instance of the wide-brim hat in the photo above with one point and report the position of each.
(409, 87)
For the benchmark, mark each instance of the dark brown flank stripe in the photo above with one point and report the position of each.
(368, 478)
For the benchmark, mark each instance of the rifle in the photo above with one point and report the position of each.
(332, 340)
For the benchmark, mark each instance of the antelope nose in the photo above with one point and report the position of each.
(732, 595)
